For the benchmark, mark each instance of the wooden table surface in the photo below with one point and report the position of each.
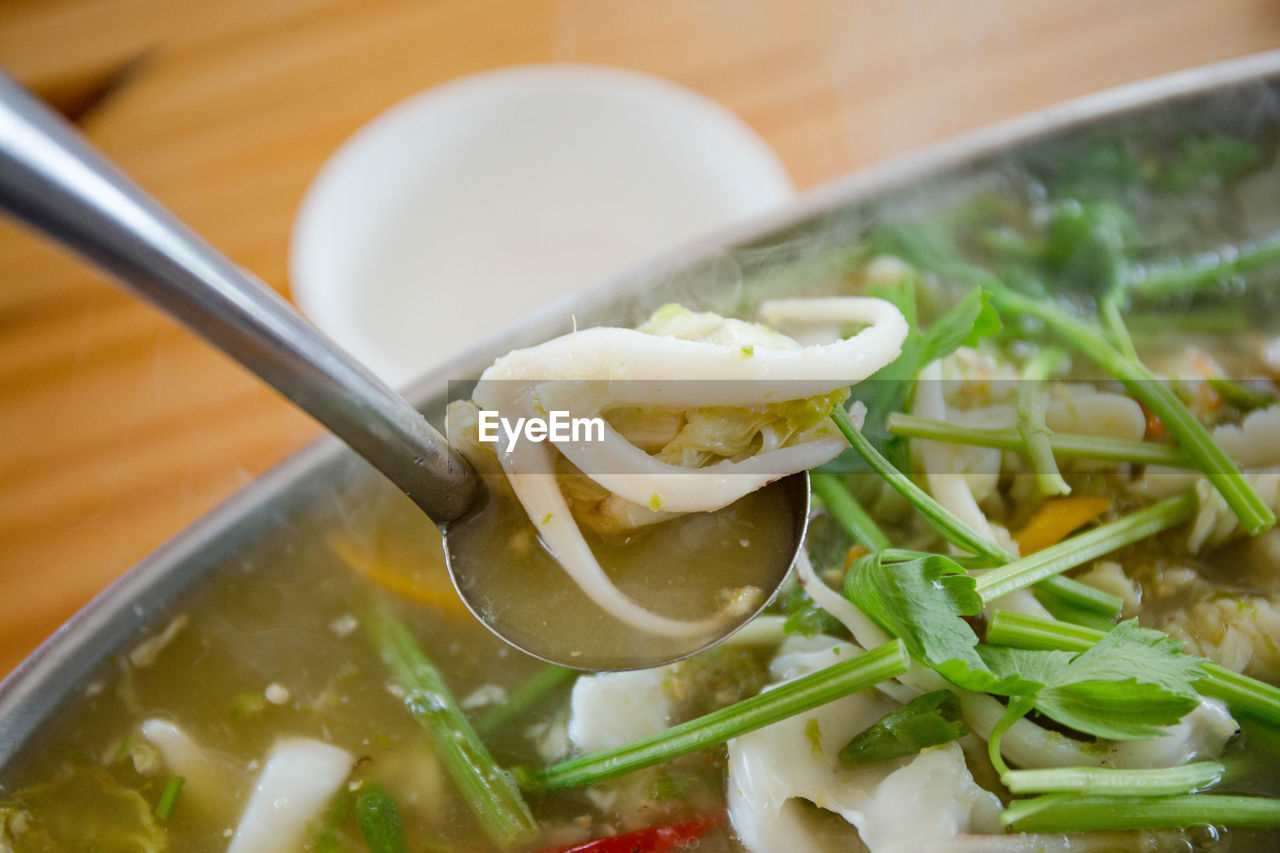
(118, 428)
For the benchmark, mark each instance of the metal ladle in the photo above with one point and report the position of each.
(52, 179)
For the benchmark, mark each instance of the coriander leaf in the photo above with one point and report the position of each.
(810, 620)
(804, 617)
(1119, 710)
(1126, 687)
(929, 720)
(1130, 651)
(1035, 668)
(923, 602)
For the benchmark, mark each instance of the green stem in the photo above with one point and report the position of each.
(1186, 277)
(1109, 309)
(1254, 514)
(794, 697)
(1031, 424)
(529, 694)
(966, 561)
(1084, 547)
(1073, 596)
(488, 790)
(1065, 445)
(169, 797)
(952, 529)
(1018, 707)
(1163, 781)
(1244, 695)
(846, 510)
(1067, 813)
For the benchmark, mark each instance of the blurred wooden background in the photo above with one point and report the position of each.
(117, 428)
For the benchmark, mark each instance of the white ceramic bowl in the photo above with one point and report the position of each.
(462, 208)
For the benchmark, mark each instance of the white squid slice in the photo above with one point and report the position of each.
(209, 781)
(299, 779)
(609, 709)
(631, 364)
(930, 797)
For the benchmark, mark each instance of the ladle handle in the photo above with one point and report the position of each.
(51, 178)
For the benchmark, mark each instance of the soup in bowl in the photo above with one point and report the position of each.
(1035, 608)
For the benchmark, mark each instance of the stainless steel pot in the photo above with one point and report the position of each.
(727, 273)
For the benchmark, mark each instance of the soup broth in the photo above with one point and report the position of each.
(282, 643)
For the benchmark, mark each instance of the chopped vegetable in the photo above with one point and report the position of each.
(1163, 781)
(1243, 397)
(488, 790)
(405, 581)
(952, 529)
(169, 797)
(1254, 514)
(1069, 813)
(1056, 519)
(848, 512)
(1080, 549)
(379, 820)
(1185, 277)
(1031, 424)
(792, 698)
(1064, 445)
(931, 719)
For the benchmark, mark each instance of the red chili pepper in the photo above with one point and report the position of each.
(655, 839)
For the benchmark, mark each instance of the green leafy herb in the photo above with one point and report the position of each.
(1125, 687)
(1086, 242)
(923, 602)
(805, 617)
(379, 820)
(929, 720)
(1244, 695)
